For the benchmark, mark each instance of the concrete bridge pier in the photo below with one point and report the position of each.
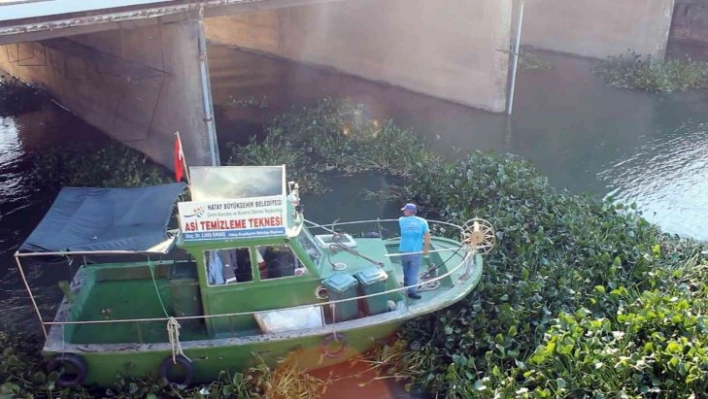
(139, 84)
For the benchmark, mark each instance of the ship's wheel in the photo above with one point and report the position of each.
(479, 235)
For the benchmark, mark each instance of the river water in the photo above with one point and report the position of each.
(645, 148)
(586, 137)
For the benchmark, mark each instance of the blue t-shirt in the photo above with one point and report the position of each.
(413, 229)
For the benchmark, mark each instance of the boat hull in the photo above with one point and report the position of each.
(209, 360)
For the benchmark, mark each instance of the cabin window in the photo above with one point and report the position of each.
(228, 266)
(310, 247)
(279, 261)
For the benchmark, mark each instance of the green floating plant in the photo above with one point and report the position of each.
(633, 71)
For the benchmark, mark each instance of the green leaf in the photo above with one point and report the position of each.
(39, 377)
(560, 383)
(656, 250)
(8, 389)
(513, 331)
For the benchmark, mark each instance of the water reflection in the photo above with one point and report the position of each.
(668, 179)
(641, 148)
(10, 157)
(569, 123)
(22, 202)
(286, 85)
(15, 203)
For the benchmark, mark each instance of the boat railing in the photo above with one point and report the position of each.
(330, 227)
(467, 262)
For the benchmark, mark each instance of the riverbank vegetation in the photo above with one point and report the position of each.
(531, 61)
(633, 71)
(111, 165)
(335, 136)
(17, 97)
(580, 298)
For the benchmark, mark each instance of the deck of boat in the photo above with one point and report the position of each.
(129, 299)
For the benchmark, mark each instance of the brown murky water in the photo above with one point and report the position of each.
(357, 380)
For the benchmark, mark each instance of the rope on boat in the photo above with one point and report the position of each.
(339, 266)
(334, 337)
(470, 262)
(151, 267)
(429, 285)
(338, 245)
(173, 327)
(63, 338)
(334, 318)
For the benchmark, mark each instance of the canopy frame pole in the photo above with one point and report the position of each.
(29, 291)
(65, 253)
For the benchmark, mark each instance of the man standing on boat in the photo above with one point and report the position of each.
(415, 243)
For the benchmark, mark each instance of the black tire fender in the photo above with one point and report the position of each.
(73, 361)
(334, 337)
(179, 361)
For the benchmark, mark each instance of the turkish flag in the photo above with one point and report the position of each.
(179, 159)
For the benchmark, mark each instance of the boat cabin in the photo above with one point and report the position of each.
(263, 274)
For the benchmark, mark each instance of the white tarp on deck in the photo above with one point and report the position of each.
(280, 321)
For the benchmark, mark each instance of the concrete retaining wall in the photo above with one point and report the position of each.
(598, 28)
(454, 49)
(690, 21)
(139, 86)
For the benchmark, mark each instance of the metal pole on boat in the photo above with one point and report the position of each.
(516, 57)
(29, 291)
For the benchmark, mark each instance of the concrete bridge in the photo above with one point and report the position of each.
(138, 69)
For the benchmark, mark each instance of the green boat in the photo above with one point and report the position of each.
(234, 276)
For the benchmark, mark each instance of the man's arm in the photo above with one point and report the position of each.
(426, 243)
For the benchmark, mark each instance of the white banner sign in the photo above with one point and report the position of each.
(229, 219)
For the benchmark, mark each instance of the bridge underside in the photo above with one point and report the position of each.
(45, 25)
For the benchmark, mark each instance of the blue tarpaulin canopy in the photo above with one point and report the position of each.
(86, 219)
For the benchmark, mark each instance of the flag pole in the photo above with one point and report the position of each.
(184, 158)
